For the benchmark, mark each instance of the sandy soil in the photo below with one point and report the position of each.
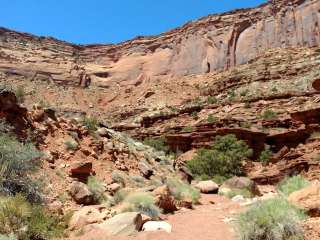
(209, 221)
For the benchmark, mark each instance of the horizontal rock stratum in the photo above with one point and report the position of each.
(212, 43)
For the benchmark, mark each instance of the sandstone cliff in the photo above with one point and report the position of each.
(212, 43)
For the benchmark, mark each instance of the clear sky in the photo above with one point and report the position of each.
(107, 21)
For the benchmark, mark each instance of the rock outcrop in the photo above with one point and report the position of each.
(307, 199)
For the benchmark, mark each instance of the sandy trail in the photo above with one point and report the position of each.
(205, 222)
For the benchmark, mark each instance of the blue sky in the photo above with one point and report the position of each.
(107, 21)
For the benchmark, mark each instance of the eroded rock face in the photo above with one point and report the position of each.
(211, 43)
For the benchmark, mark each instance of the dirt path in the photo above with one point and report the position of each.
(206, 222)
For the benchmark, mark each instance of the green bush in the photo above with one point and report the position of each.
(187, 129)
(212, 100)
(225, 158)
(19, 217)
(265, 155)
(211, 118)
(160, 144)
(16, 163)
(20, 94)
(141, 202)
(194, 115)
(121, 194)
(292, 184)
(41, 225)
(97, 189)
(90, 123)
(244, 93)
(273, 219)
(181, 190)
(269, 114)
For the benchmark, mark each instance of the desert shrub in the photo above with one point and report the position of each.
(90, 123)
(121, 194)
(231, 95)
(244, 93)
(160, 144)
(292, 184)
(141, 202)
(42, 225)
(14, 213)
(173, 109)
(19, 217)
(211, 118)
(118, 177)
(16, 163)
(212, 100)
(8, 237)
(97, 189)
(225, 158)
(71, 144)
(314, 135)
(181, 190)
(20, 94)
(265, 155)
(194, 115)
(187, 129)
(245, 124)
(269, 114)
(273, 219)
(139, 181)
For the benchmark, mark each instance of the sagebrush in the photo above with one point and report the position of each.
(17, 161)
(292, 184)
(273, 219)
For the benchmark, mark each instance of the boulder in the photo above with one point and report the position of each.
(240, 184)
(122, 224)
(88, 215)
(157, 226)
(81, 193)
(164, 200)
(145, 169)
(307, 199)
(114, 187)
(103, 132)
(207, 186)
(81, 170)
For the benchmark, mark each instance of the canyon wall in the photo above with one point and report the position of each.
(212, 43)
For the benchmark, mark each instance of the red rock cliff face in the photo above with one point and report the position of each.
(212, 43)
(215, 42)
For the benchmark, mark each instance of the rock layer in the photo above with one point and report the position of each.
(212, 43)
